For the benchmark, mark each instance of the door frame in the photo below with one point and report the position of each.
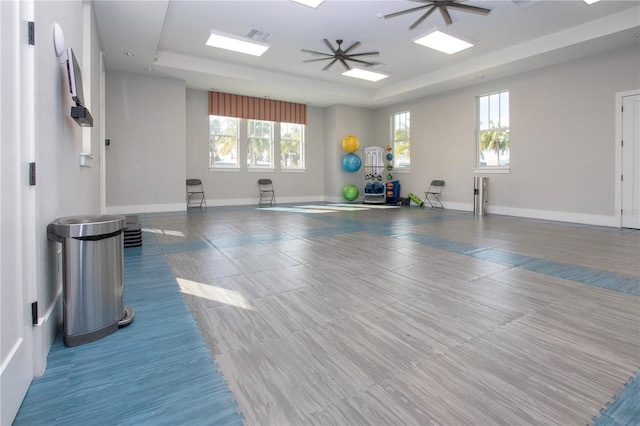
(17, 271)
(618, 154)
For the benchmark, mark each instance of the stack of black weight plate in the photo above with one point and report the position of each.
(132, 232)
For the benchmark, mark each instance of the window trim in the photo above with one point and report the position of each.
(242, 149)
(272, 143)
(238, 163)
(397, 169)
(278, 130)
(493, 169)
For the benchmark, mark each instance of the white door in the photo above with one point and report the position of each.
(630, 162)
(16, 207)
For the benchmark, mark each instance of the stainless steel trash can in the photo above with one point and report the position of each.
(480, 195)
(93, 276)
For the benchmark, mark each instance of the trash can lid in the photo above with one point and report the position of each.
(86, 226)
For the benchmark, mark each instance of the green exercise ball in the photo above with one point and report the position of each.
(350, 192)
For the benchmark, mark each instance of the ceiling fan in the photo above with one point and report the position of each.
(340, 55)
(443, 6)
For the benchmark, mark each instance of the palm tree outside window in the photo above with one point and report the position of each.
(493, 131)
(223, 142)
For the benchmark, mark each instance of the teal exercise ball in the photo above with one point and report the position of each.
(389, 156)
(350, 192)
(351, 163)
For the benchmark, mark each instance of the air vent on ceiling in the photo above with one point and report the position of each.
(523, 4)
(256, 35)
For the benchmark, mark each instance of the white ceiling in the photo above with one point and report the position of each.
(169, 37)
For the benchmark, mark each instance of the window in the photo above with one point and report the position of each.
(401, 125)
(291, 146)
(493, 131)
(223, 141)
(260, 144)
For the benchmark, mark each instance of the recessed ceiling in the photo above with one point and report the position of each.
(169, 36)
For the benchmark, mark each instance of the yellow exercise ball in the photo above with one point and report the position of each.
(350, 143)
(389, 148)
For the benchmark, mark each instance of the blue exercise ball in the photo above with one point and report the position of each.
(351, 163)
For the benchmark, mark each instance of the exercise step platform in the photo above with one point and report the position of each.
(132, 232)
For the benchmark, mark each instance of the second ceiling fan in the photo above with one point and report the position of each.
(443, 6)
(339, 55)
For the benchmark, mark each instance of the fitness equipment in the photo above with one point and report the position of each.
(351, 163)
(389, 176)
(350, 143)
(389, 166)
(389, 156)
(350, 192)
(415, 199)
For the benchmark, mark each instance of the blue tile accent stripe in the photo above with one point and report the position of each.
(581, 274)
(625, 408)
(157, 370)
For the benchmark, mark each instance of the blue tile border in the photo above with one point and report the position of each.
(624, 410)
(157, 370)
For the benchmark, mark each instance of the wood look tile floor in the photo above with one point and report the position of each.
(409, 316)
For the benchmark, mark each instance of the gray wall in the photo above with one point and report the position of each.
(562, 140)
(562, 153)
(64, 188)
(146, 161)
(340, 121)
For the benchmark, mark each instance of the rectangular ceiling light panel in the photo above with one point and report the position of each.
(364, 74)
(236, 44)
(443, 42)
(310, 3)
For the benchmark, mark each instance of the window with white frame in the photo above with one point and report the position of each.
(291, 146)
(493, 131)
(401, 134)
(260, 144)
(223, 141)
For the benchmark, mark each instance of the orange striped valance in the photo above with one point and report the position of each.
(229, 105)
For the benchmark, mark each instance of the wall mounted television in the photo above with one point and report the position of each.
(79, 113)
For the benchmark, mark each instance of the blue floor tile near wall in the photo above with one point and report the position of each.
(157, 370)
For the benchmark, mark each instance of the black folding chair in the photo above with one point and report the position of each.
(267, 193)
(432, 195)
(195, 194)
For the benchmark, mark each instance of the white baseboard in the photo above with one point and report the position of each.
(44, 333)
(146, 208)
(585, 219)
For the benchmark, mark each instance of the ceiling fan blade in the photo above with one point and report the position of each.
(363, 54)
(329, 64)
(402, 12)
(353, 46)
(314, 52)
(469, 8)
(318, 59)
(344, 63)
(445, 14)
(328, 43)
(422, 18)
(367, 63)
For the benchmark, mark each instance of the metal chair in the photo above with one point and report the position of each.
(195, 193)
(267, 193)
(432, 195)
